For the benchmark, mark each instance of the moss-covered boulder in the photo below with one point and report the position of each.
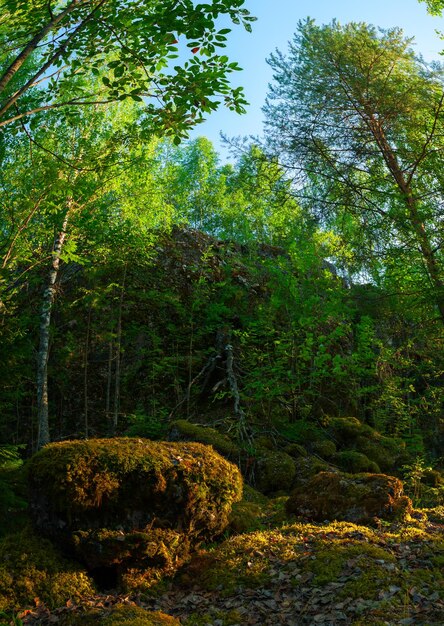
(296, 450)
(354, 498)
(274, 471)
(326, 449)
(131, 502)
(182, 430)
(355, 462)
(352, 435)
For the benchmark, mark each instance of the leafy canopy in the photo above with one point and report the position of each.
(46, 47)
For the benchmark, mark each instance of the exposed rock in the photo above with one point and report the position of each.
(354, 498)
(131, 502)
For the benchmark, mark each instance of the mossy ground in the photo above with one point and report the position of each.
(339, 566)
(31, 567)
(281, 572)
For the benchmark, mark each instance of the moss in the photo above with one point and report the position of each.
(308, 467)
(435, 514)
(182, 430)
(32, 567)
(296, 450)
(253, 495)
(325, 449)
(264, 443)
(157, 547)
(374, 450)
(334, 557)
(302, 432)
(432, 478)
(357, 498)
(118, 615)
(355, 462)
(245, 517)
(13, 498)
(131, 502)
(345, 430)
(275, 471)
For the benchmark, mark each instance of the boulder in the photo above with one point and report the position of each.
(358, 498)
(131, 502)
(274, 471)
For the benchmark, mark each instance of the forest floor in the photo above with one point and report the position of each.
(293, 575)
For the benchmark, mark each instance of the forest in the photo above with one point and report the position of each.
(222, 382)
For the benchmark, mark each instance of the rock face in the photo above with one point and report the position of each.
(355, 498)
(131, 502)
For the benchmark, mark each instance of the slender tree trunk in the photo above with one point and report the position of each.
(109, 379)
(45, 319)
(118, 354)
(85, 374)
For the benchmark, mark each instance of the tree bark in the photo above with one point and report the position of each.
(85, 374)
(43, 436)
(428, 255)
(118, 354)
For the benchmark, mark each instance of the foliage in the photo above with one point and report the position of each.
(132, 51)
(359, 116)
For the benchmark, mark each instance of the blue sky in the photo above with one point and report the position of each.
(277, 20)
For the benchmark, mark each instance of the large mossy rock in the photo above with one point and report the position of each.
(354, 498)
(131, 502)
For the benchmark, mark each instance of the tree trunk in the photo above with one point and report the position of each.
(118, 354)
(85, 374)
(428, 255)
(109, 379)
(45, 319)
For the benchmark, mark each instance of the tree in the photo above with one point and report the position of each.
(435, 7)
(360, 120)
(46, 46)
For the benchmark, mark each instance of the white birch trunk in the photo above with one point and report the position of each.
(45, 319)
